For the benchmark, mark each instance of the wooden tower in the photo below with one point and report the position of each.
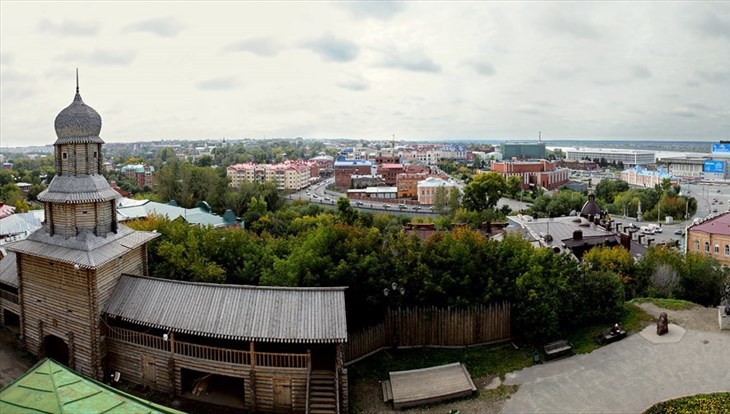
(68, 268)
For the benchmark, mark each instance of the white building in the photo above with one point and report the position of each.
(630, 158)
(427, 189)
(288, 175)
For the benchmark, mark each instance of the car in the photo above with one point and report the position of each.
(358, 203)
(402, 206)
(718, 191)
(314, 196)
(679, 232)
(327, 199)
(719, 202)
(386, 206)
(714, 210)
(416, 208)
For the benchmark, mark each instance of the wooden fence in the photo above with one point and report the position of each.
(432, 326)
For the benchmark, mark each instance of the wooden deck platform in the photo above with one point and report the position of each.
(427, 385)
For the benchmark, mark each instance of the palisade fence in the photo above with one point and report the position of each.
(431, 326)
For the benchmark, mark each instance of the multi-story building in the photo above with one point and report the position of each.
(364, 181)
(345, 169)
(387, 159)
(711, 237)
(629, 158)
(325, 165)
(407, 184)
(686, 167)
(288, 175)
(543, 173)
(427, 189)
(583, 165)
(522, 150)
(390, 173)
(432, 154)
(142, 174)
(640, 177)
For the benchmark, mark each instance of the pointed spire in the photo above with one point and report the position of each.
(77, 80)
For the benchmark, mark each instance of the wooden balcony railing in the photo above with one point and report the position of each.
(212, 353)
(10, 297)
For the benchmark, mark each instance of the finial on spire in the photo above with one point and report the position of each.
(77, 80)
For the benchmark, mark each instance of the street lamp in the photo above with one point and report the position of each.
(394, 288)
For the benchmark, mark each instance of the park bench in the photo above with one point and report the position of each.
(558, 349)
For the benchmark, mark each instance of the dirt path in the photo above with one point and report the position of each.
(12, 363)
(697, 318)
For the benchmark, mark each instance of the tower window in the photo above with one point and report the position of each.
(84, 212)
(95, 154)
(64, 155)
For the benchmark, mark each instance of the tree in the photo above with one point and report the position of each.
(204, 161)
(345, 210)
(484, 191)
(514, 185)
(454, 200)
(439, 200)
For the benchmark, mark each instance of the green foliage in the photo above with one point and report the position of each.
(695, 404)
(514, 185)
(439, 200)
(560, 204)
(614, 259)
(607, 189)
(483, 192)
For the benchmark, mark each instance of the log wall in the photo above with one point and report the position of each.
(56, 301)
(128, 359)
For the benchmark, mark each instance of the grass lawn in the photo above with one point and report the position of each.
(671, 304)
(584, 339)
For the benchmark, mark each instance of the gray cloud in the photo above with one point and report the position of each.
(332, 48)
(372, 9)
(580, 28)
(481, 67)
(354, 84)
(161, 26)
(218, 84)
(262, 46)
(641, 71)
(714, 25)
(684, 112)
(69, 27)
(101, 57)
(713, 77)
(414, 60)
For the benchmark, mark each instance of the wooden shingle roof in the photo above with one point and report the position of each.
(86, 250)
(8, 270)
(249, 313)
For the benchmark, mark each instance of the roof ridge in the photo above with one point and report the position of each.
(230, 285)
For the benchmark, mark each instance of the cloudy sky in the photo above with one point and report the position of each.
(413, 70)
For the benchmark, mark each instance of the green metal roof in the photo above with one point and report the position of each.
(52, 388)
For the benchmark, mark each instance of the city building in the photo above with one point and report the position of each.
(685, 167)
(325, 164)
(578, 234)
(288, 175)
(542, 173)
(432, 154)
(427, 189)
(629, 158)
(364, 181)
(77, 291)
(345, 169)
(384, 194)
(641, 177)
(142, 174)
(711, 237)
(407, 184)
(387, 159)
(130, 209)
(522, 150)
(582, 165)
(390, 172)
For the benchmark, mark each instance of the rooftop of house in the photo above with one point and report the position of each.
(719, 225)
(265, 314)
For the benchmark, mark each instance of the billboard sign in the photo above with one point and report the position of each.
(712, 166)
(721, 149)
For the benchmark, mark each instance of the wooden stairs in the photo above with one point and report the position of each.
(322, 393)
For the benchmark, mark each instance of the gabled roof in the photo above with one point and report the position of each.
(22, 222)
(249, 313)
(719, 225)
(197, 216)
(50, 387)
(8, 270)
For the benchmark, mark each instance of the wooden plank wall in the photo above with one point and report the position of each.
(432, 326)
(126, 358)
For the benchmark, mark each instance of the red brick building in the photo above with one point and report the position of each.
(543, 173)
(390, 173)
(345, 169)
(407, 184)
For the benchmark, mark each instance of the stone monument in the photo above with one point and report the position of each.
(662, 325)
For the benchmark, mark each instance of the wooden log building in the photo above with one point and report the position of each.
(76, 290)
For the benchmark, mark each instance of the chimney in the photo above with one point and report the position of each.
(618, 227)
(626, 241)
(649, 241)
(641, 237)
(578, 235)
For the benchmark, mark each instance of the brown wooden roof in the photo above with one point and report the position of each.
(251, 313)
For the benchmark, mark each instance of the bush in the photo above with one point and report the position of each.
(696, 404)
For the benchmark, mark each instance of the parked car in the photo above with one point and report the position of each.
(679, 232)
